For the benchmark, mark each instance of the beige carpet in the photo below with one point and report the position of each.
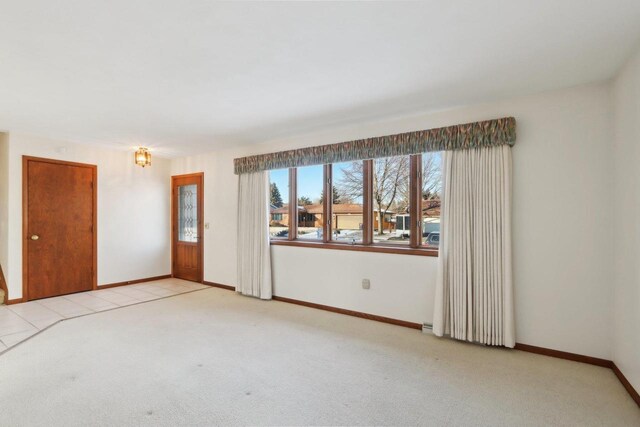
(213, 357)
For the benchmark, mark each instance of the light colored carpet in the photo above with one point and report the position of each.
(213, 357)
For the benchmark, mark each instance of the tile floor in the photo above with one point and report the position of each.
(20, 321)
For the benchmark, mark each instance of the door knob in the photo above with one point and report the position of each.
(35, 237)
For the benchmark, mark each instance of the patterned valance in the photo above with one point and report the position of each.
(470, 135)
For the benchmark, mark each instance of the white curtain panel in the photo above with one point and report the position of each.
(474, 288)
(254, 257)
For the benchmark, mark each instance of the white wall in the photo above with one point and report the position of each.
(133, 210)
(562, 203)
(402, 286)
(626, 310)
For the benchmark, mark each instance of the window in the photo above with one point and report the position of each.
(279, 205)
(347, 209)
(430, 199)
(188, 213)
(388, 204)
(391, 200)
(310, 194)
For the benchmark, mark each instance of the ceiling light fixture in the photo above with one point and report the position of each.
(143, 157)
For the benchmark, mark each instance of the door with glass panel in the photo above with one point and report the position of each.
(186, 226)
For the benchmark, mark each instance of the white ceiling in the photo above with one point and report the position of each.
(193, 76)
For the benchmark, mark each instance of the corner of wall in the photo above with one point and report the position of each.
(626, 248)
(4, 203)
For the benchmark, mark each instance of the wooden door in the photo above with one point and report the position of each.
(186, 225)
(59, 227)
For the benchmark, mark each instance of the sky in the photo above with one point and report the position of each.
(309, 181)
(281, 178)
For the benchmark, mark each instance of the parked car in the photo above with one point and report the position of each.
(403, 226)
(433, 239)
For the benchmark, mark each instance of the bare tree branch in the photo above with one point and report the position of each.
(391, 183)
(431, 175)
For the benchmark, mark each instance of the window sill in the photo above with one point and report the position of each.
(358, 248)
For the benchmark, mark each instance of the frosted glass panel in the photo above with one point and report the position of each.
(188, 213)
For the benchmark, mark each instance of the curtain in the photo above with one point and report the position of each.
(254, 258)
(474, 287)
(488, 133)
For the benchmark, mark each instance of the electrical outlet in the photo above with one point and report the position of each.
(366, 284)
(206, 225)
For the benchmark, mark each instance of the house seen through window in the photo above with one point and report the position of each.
(347, 213)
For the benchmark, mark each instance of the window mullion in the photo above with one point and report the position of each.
(367, 202)
(415, 200)
(293, 204)
(327, 204)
